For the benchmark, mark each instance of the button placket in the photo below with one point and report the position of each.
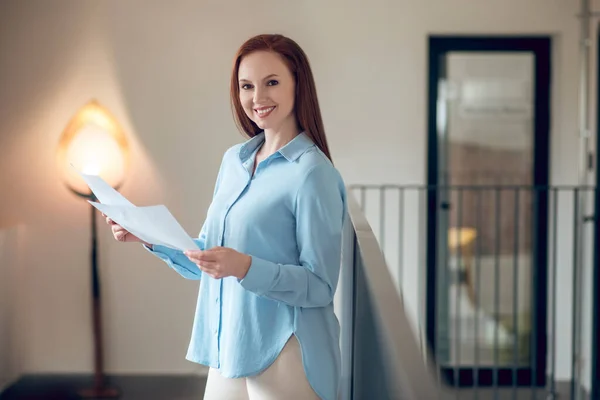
(219, 318)
(219, 297)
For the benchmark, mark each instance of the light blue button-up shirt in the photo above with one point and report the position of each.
(288, 217)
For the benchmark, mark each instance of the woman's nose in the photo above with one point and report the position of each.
(259, 95)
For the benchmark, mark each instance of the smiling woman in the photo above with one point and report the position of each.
(272, 73)
(270, 247)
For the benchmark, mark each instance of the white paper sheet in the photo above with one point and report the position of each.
(103, 191)
(153, 224)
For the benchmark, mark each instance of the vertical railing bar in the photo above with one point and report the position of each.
(479, 239)
(438, 340)
(533, 339)
(575, 379)
(458, 285)
(515, 296)
(382, 218)
(553, 288)
(401, 236)
(595, 323)
(421, 275)
(446, 281)
(496, 290)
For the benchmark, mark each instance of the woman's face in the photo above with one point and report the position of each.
(267, 90)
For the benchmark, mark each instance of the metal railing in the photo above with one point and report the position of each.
(489, 281)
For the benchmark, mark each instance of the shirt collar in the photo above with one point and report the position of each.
(250, 146)
(291, 151)
(296, 147)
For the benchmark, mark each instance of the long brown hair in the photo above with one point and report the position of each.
(306, 104)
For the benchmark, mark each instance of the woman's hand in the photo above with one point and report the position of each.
(121, 234)
(220, 262)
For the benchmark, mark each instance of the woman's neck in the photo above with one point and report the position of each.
(275, 140)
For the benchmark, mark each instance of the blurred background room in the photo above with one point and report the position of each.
(466, 132)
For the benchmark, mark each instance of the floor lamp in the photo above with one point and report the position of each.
(94, 143)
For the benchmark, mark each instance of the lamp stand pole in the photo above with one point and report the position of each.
(100, 389)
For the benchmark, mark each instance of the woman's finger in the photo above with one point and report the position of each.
(197, 260)
(120, 236)
(208, 266)
(206, 256)
(194, 255)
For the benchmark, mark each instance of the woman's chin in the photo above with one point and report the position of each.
(264, 124)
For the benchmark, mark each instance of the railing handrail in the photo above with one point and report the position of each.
(468, 187)
(413, 369)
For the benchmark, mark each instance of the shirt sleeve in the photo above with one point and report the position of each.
(175, 258)
(320, 213)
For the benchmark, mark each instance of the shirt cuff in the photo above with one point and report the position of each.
(259, 276)
(162, 252)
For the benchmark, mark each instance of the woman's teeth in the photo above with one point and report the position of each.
(264, 111)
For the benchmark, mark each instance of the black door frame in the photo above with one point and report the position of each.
(596, 266)
(541, 47)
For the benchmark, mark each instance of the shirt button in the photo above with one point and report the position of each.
(216, 331)
(217, 300)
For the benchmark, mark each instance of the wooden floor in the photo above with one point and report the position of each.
(191, 387)
(131, 387)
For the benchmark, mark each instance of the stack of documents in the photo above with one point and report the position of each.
(153, 224)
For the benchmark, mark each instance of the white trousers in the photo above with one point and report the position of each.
(284, 379)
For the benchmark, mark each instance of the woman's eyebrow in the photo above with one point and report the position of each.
(264, 79)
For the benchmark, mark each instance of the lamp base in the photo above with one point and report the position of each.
(99, 393)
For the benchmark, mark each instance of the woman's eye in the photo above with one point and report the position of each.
(273, 82)
(246, 86)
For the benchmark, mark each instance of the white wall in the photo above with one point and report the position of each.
(163, 70)
(10, 303)
(6, 312)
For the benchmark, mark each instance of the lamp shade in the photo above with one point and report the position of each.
(94, 143)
